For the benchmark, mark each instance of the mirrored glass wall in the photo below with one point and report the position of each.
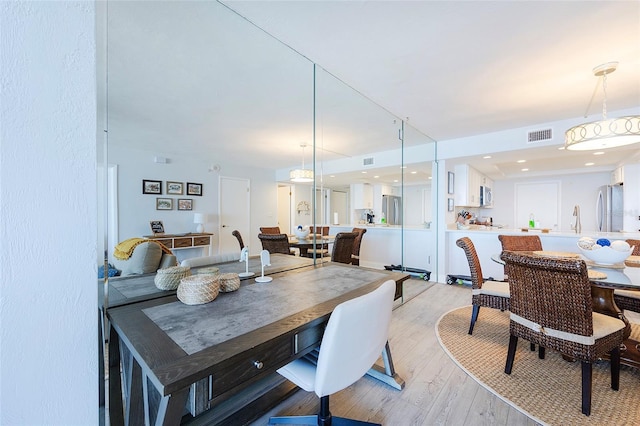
(206, 117)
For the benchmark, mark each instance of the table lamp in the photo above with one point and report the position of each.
(198, 218)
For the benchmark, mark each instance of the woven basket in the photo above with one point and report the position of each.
(229, 282)
(211, 270)
(169, 278)
(198, 289)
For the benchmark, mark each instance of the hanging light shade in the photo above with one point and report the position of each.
(301, 175)
(604, 133)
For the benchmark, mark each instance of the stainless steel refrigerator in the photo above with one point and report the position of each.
(609, 209)
(392, 209)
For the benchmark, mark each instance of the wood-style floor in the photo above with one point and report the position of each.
(437, 391)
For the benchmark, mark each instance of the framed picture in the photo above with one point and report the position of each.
(185, 204)
(151, 186)
(175, 188)
(450, 204)
(157, 227)
(450, 183)
(194, 188)
(164, 203)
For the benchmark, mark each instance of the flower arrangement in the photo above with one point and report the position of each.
(463, 215)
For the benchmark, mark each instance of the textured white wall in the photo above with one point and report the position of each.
(48, 293)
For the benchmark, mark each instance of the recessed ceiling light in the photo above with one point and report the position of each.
(395, 181)
(524, 170)
(598, 153)
(413, 172)
(376, 177)
(561, 148)
(403, 167)
(589, 164)
(522, 161)
(429, 177)
(364, 173)
(486, 156)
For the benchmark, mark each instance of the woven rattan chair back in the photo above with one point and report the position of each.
(474, 262)
(480, 298)
(236, 234)
(636, 247)
(321, 230)
(355, 258)
(343, 247)
(270, 230)
(520, 242)
(625, 298)
(275, 243)
(551, 295)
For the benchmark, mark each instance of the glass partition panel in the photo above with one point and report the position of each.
(203, 108)
(420, 194)
(358, 165)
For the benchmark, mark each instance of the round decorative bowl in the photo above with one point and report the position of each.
(606, 255)
(301, 233)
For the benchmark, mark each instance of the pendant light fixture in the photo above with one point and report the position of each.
(606, 133)
(301, 175)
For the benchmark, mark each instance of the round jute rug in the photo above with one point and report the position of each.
(547, 390)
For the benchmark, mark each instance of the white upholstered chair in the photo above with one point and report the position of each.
(355, 336)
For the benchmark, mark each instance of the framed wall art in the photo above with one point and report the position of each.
(175, 188)
(194, 188)
(151, 186)
(450, 204)
(185, 204)
(450, 183)
(157, 227)
(164, 203)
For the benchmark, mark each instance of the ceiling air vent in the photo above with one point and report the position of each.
(539, 135)
(367, 161)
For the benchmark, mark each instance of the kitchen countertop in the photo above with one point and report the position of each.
(518, 231)
(381, 226)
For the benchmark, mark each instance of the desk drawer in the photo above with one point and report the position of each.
(167, 243)
(201, 241)
(244, 367)
(182, 242)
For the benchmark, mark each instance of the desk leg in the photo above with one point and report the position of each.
(388, 374)
(116, 414)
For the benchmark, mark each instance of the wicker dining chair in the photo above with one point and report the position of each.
(275, 243)
(236, 234)
(270, 230)
(491, 294)
(320, 250)
(343, 247)
(520, 242)
(629, 300)
(551, 306)
(355, 256)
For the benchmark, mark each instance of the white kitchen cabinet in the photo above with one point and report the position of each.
(362, 196)
(617, 176)
(467, 186)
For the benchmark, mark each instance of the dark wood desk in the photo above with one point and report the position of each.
(223, 354)
(137, 288)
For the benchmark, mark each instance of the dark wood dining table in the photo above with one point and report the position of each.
(304, 244)
(218, 360)
(616, 277)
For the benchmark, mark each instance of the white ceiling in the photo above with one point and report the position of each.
(453, 68)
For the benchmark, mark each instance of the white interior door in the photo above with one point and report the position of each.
(284, 209)
(540, 199)
(340, 205)
(235, 205)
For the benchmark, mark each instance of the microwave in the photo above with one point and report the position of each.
(486, 198)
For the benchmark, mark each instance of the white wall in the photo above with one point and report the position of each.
(48, 292)
(137, 209)
(578, 189)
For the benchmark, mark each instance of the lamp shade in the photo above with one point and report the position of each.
(199, 219)
(301, 175)
(604, 134)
